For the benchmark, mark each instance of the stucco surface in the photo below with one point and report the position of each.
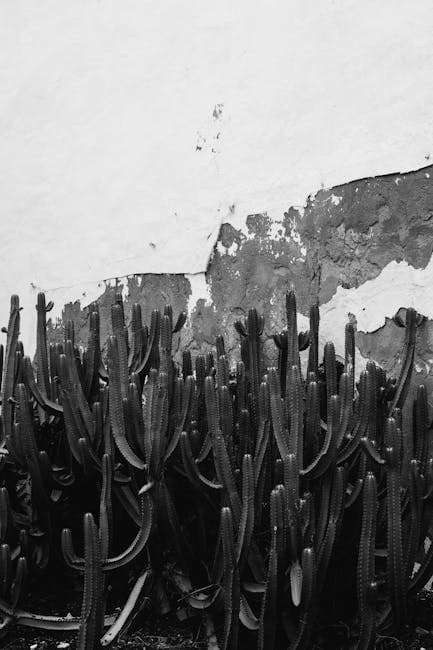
(130, 134)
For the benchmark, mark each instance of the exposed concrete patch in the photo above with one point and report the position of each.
(151, 291)
(364, 249)
(374, 221)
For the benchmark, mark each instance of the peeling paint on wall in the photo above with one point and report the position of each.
(128, 136)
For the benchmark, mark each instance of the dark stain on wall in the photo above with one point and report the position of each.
(345, 236)
(152, 291)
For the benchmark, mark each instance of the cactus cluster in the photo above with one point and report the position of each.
(267, 501)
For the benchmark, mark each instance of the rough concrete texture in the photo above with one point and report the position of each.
(345, 236)
(151, 291)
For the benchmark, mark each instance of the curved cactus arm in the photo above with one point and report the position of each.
(346, 396)
(135, 417)
(151, 358)
(251, 332)
(241, 387)
(140, 540)
(128, 500)
(190, 465)
(150, 395)
(188, 391)
(231, 584)
(352, 497)
(41, 399)
(88, 459)
(227, 416)
(137, 338)
(262, 440)
(295, 407)
(170, 524)
(7, 384)
(322, 512)
(166, 362)
(291, 477)
(428, 480)
(56, 475)
(19, 581)
(200, 600)
(55, 623)
(186, 364)
(225, 475)
(246, 615)
(371, 451)
(116, 406)
(292, 334)
(413, 539)
(255, 324)
(302, 641)
(159, 426)
(41, 345)
(278, 521)
(365, 570)
(206, 448)
(144, 581)
(308, 518)
(30, 449)
(267, 620)
(92, 614)
(72, 432)
(408, 354)
(349, 352)
(330, 365)
(363, 414)
(277, 413)
(280, 341)
(77, 394)
(222, 371)
(220, 346)
(105, 507)
(372, 400)
(121, 335)
(328, 452)
(395, 564)
(5, 513)
(5, 570)
(181, 320)
(93, 359)
(421, 427)
(313, 352)
(211, 407)
(246, 523)
(312, 419)
(69, 555)
(334, 520)
(111, 563)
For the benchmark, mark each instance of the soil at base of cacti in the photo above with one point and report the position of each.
(168, 633)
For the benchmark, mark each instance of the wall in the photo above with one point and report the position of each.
(363, 249)
(129, 136)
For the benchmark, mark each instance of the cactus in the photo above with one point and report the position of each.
(91, 613)
(231, 586)
(252, 330)
(366, 579)
(243, 480)
(41, 345)
(8, 378)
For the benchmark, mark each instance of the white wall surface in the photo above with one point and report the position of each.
(130, 130)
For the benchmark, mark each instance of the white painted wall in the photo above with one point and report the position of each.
(130, 130)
